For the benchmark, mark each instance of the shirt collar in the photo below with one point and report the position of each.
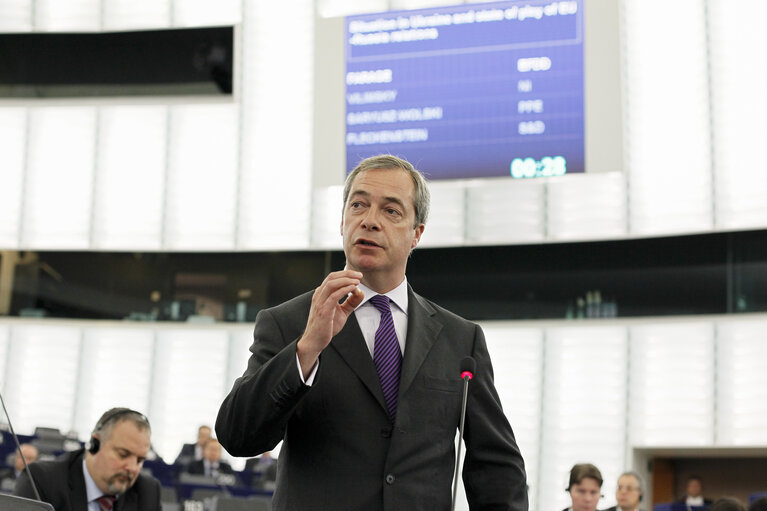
(92, 491)
(398, 295)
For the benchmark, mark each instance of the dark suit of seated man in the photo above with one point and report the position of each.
(105, 476)
(210, 464)
(193, 452)
(694, 494)
(629, 492)
(9, 475)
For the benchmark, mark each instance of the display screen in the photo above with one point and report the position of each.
(475, 90)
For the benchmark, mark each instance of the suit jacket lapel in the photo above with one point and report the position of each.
(78, 497)
(422, 332)
(126, 502)
(350, 344)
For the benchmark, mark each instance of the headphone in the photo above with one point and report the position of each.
(111, 416)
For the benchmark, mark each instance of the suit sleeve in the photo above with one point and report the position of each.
(253, 417)
(24, 487)
(493, 471)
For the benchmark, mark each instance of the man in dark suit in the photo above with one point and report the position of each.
(105, 476)
(629, 492)
(694, 493)
(9, 475)
(369, 418)
(210, 464)
(193, 452)
(262, 471)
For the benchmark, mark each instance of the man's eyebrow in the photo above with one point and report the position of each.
(359, 192)
(396, 201)
(366, 195)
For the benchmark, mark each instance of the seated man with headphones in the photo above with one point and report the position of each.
(628, 493)
(107, 476)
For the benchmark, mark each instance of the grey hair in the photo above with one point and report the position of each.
(635, 476)
(421, 196)
(115, 415)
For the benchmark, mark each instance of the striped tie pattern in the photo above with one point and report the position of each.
(386, 354)
(106, 502)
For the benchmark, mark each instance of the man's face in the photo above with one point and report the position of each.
(117, 464)
(694, 488)
(585, 495)
(30, 454)
(212, 451)
(377, 225)
(627, 493)
(203, 435)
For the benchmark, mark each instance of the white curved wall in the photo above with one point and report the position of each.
(243, 173)
(574, 391)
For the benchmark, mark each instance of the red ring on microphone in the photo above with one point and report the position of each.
(467, 373)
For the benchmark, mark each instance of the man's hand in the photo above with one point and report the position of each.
(327, 317)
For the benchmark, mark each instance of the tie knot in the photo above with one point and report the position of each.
(106, 502)
(381, 302)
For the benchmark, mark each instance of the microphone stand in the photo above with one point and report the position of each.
(466, 377)
(18, 447)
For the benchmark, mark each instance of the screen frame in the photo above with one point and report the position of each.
(603, 95)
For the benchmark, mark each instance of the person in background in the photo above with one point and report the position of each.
(585, 487)
(261, 463)
(106, 475)
(193, 452)
(759, 504)
(263, 470)
(8, 476)
(361, 377)
(728, 504)
(628, 493)
(210, 465)
(694, 493)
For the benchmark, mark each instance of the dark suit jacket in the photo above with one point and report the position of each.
(340, 448)
(683, 501)
(198, 467)
(62, 484)
(186, 455)
(7, 479)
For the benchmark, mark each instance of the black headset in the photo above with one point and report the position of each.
(111, 416)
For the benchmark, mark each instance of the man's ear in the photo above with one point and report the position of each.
(418, 232)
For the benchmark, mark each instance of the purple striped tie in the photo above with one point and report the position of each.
(386, 354)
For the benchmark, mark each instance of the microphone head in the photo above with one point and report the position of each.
(468, 366)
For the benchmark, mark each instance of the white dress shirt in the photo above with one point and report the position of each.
(92, 492)
(369, 318)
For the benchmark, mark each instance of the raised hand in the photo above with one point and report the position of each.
(327, 316)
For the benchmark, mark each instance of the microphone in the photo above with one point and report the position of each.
(18, 447)
(468, 366)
